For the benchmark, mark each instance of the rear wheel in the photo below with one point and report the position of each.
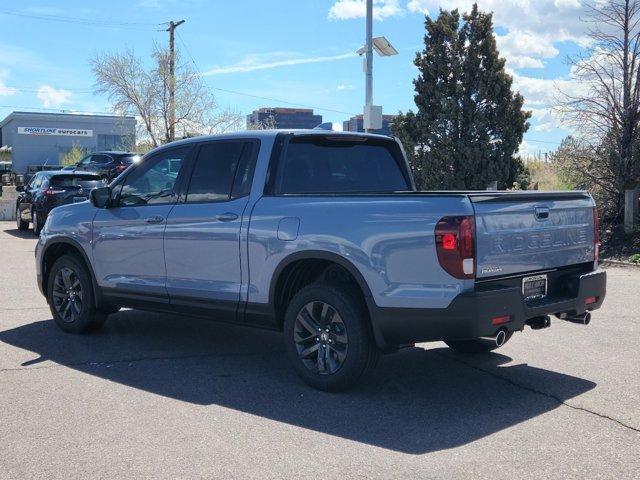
(21, 224)
(476, 345)
(70, 296)
(35, 220)
(328, 336)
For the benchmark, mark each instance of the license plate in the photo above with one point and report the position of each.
(534, 287)
(79, 199)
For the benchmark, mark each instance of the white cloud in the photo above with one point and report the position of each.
(6, 91)
(349, 9)
(418, 6)
(534, 26)
(525, 49)
(273, 60)
(539, 92)
(342, 87)
(53, 98)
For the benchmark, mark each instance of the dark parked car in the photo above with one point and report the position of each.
(106, 164)
(48, 190)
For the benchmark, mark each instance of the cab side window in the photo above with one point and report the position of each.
(215, 169)
(154, 181)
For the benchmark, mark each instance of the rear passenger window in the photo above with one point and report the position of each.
(341, 164)
(215, 170)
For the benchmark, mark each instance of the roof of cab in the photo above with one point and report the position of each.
(264, 134)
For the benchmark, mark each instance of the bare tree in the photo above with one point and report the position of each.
(268, 123)
(604, 107)
(145, 93)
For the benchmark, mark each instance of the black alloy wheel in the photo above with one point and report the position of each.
(67, 295)
(321, 338)
(70, 296)
(328, 336)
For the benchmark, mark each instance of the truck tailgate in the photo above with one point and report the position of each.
(525, 232)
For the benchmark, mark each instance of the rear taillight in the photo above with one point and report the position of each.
(596, 235)
(455, 246)
(51, 191)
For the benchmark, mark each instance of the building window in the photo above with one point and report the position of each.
(114, 142)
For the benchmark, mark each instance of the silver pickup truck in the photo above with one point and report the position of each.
(324, 236)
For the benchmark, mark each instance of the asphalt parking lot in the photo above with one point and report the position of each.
(158, 396)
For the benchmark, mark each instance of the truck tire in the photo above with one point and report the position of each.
(70, 296)
(476, 345)
(21, 224)
(328, 336)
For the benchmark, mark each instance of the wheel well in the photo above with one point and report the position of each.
(53, 253)
(301, 273)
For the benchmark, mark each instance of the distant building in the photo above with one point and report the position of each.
(44, 138)
(356, 124)
(283, 118)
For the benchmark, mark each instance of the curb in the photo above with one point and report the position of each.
(618, 263)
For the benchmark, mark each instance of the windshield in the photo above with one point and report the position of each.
(341, 164)
(69, 181)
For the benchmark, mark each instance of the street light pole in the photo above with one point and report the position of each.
(369, 59)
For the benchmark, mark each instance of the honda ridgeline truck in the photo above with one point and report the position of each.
(321, 235)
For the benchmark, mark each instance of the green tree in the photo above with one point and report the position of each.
(73, 156)
(469, 123)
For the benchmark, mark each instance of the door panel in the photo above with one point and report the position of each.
(202, 238)
(202, 251)
(128, 246)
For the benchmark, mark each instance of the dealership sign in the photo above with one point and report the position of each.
(64, 132)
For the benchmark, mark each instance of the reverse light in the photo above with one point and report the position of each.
(455, 238)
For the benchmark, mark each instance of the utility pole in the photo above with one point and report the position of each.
(172, 79)
(369, 63)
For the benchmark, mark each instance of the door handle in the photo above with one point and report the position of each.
(155, 219)
(226, 217)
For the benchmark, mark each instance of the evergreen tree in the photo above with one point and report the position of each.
(468, 124)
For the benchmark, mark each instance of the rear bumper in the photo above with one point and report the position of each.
(469, 315)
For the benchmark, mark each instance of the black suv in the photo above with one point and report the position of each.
(106, 164)
(48, 190)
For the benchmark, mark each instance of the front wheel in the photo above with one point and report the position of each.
(21, 224)
(476, 345)
(328, 336)
(70, 296)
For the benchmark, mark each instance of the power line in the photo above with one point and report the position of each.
(540, 141)
(34, 90)
(58, 110)
(78, 20)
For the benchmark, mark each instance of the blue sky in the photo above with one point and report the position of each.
(298, 51)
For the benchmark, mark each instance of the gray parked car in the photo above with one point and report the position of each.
(321, 235)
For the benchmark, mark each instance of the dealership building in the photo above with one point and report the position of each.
(44, 138)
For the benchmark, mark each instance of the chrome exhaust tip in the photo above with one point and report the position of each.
(498, 339)
(583, 319)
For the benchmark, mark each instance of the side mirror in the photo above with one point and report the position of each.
(100, 197)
